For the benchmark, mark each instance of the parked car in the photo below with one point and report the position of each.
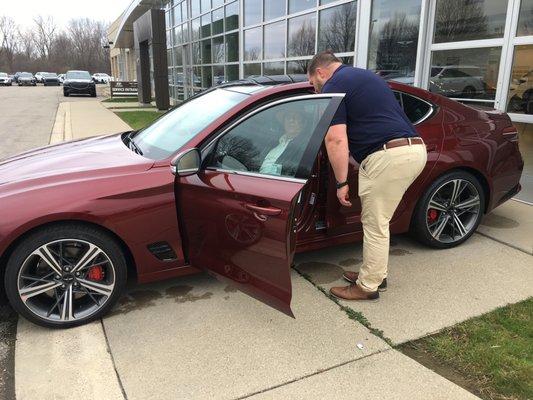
(521, 94)
(50, 79)
(39, 77)
(186, 193)
(5, 80)
(16, 77)
(78, 82)
(101, 78)
(61, 78)
(26, 79)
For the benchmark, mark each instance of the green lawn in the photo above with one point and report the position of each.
(130, 99)
(139, 119)
(493, 352)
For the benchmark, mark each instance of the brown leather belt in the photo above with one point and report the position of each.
(402, 142)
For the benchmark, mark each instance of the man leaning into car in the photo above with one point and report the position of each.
(371, 125)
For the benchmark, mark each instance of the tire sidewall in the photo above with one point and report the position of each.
(37, 239)
(419, 221)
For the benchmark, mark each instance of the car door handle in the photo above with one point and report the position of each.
(263, 211)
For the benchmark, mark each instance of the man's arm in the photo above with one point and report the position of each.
(337, 147)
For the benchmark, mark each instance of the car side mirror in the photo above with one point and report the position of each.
(186, 163)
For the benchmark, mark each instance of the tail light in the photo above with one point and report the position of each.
(511, 134)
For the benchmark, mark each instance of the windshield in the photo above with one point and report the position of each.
(3, 74)
(50, 74)
(26, 75)
(78, 75)
(166, 135)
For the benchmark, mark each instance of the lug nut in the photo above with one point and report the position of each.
(67, 269)
(63, 286)
(58, 276)
(77, 274)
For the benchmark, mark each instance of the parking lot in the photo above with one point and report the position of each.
(197, 338)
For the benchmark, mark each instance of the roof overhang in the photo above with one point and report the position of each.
(124, 34)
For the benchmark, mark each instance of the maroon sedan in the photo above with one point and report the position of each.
(233, 181)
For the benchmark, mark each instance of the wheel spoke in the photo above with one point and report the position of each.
(437, 205)
(459, 225)
(89, 255)
(458, 188)
(67, 305)
(99, 288)
(468, 204)
(438, 230)
(58, 299)
(37, 279)
(28, 292)
(44, 253)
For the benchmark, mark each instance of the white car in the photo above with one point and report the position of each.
(101, 78)
(61, 78)
(39, 77)
(5, 80)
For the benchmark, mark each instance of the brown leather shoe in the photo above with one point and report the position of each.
(352, 276)
(353, 292)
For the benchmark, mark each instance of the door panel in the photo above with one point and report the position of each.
(238, 212)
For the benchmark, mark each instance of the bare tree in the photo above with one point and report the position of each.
(8, 41)
(460, 19)
(45, 31)
(302, 43)
(88, 38)
(338, 32)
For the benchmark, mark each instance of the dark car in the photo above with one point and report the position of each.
(50, 79)
(189, 193)
(26, 79)
(16, 77)
(78, 82)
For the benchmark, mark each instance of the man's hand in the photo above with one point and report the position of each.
(344, 196)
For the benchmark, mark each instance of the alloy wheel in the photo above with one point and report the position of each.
(453, 211)
(66, 280)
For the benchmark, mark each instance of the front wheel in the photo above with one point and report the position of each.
(65, 275)
(450, 210)
(65, 93)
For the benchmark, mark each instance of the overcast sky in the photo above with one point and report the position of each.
(64, 10)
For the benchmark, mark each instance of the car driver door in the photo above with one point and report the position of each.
(236, 212)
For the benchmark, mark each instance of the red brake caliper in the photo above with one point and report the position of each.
(432, 215)
(96, 273)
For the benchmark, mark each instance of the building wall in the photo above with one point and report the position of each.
(476, 51)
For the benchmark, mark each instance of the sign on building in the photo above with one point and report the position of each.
(123, 88)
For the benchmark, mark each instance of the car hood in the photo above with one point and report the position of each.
(75, 160)
(79, 80)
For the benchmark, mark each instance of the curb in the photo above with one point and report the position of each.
(62, 130)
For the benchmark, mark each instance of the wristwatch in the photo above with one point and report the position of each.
(341, 184)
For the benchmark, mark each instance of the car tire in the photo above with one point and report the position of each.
(468, 208)
(93, 93)
(68, 234)
(65, 93)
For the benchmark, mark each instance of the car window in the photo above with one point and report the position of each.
(415, 109)
(167, 134)
(272, 141)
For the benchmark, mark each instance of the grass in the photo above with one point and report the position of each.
(139, 119)
(131, 99)
(493, 352)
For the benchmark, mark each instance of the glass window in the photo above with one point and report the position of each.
(274, 9)
(195, 8)
(525, 18)
(520, 97)
(218, 74)
(271, 142)
(197, 76)
(468, 73)
(195, 26)
(322, 2)
(184, 12)
(336, 28)
(274, 68)
(170, 132)
(178, 36)
(394, 39)
(196, 58)
(217, 3)
(218, 49)
(218, 21)
(207, 77)
(252, 69)
(206, 51)
(414, 108)
(232, 72)
(300, 5)
(252, 12)
(297, 66)
(302, 35)
(177, 15)
(274, 40)
(206, 5)
(457, 20)
(232, 47)
(205, 30)
(252, 44)
(185, 28)
(232, 16)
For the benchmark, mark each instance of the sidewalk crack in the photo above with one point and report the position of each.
(113, 361)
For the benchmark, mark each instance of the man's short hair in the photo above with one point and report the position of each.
(322, 60)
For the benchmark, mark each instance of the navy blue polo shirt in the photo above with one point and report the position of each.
(370, 110)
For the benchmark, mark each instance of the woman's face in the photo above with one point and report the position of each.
(293, 124)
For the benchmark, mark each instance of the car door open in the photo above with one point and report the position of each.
(236, 213)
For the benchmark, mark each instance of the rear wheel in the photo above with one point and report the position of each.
(65, 275)
(93, 93)
(66, 93)
(450, 210)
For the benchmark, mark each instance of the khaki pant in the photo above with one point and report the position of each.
(384, 177)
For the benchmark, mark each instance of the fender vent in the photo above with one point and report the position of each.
(162, 251)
